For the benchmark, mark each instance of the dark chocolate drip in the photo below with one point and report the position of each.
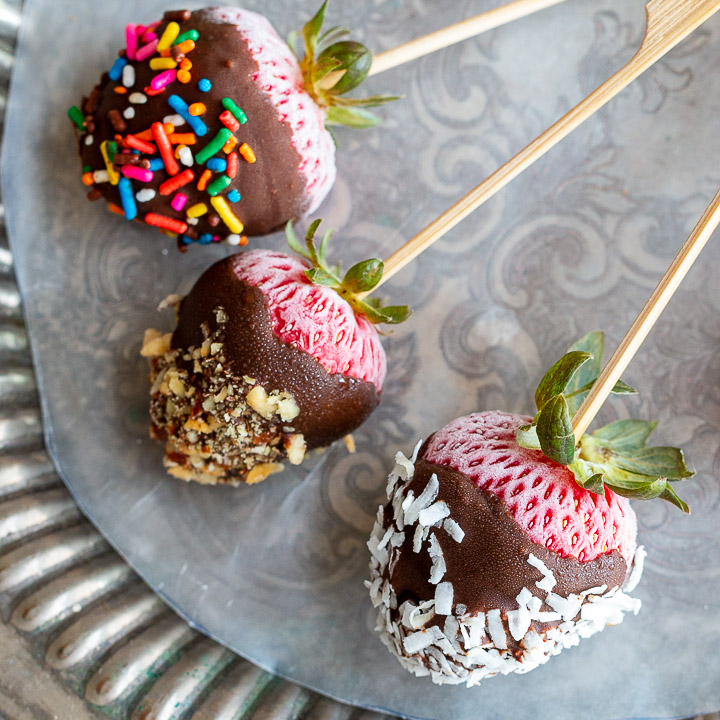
(489, 567)
(331, 405)
(272, 188)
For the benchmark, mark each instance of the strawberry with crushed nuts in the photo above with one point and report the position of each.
(273, 355)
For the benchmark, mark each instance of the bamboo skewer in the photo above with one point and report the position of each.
(457, 33)
(646, 319)
(668, 22)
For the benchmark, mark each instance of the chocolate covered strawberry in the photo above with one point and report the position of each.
(208, 126)
(273, 355)
(490, 557)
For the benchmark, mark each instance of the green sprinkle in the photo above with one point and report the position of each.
(240, 116)
(218, 185)
(87, 168)
(112, 148)
(189, 35)
(215, 145)
(76, 115)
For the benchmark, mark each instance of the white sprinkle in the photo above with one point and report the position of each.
(496, 629)
(443, 598)
(186, 157)
(137, 98)
(418, 538)
(636, 572)
(129, 112)
(194, 221)
(175, 120)
(518, 622)
(89, 140)
(426, 497)
(438, 561)
(128, 76)
(568, 607)
(416, 642)
(548, 582)
(599, 590)
(145, 195)
(460, 609)
(476, 626)
(454, 530)
(100, 176)
(433, 514)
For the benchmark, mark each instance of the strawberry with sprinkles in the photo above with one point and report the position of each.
(216, 97)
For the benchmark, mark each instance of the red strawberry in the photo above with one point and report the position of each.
(263, 365)
(541, 495)
(470, 579)
(245, 122)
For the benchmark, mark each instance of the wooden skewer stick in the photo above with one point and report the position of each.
(457, 33)
(646, 319)
(668, 22)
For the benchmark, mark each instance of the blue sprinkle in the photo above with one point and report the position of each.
(135, 152)
(187, 240)
(204, 85)
(181, 108)
(205, 239)
(116, 70)
(156, 164)
(216, 164)
(127, 198)
(233, 196)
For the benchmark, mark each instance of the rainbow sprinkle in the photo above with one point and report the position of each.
(160, 154)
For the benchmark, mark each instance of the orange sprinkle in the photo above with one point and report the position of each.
(87, 178)
(197, 109)
(229, 146)
(120, 90)
(185, 64)
(148, 135)
(112, 207)
(246, 151)
(243, 240)
(183, 76)
(165, 53)
(204, 179)
(182, 138)
(232, 165)
(186, 46)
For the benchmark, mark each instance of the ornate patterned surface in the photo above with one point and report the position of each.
(578, 241)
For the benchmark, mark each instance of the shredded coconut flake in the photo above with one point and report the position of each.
(443, 598)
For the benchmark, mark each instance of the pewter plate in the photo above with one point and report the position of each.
(275, 572)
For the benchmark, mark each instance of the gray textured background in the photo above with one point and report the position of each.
(576, 243)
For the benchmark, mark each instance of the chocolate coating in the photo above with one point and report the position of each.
(272, 188)
(331, 405)
(489, 568)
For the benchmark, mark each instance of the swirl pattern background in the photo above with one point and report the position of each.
(576, 243)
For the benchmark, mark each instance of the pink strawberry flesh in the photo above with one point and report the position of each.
(312, 318)
(541, 495)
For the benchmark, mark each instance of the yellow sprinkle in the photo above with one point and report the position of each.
(227, 215)
(169, 36)
(229, 146)
(113, 174)
(162, 64)
(246, 151)
(196, 210)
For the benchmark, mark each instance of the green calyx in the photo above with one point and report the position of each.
(615, 456)
(332, 66)
(353, 285)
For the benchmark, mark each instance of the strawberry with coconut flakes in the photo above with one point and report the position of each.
(490, 557)
(265, 364)
(208, 126)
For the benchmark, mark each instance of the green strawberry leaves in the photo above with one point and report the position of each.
(615, 456)
(360, 279)
(332, 66)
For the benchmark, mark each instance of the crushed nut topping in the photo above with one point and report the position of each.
(218, 428)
